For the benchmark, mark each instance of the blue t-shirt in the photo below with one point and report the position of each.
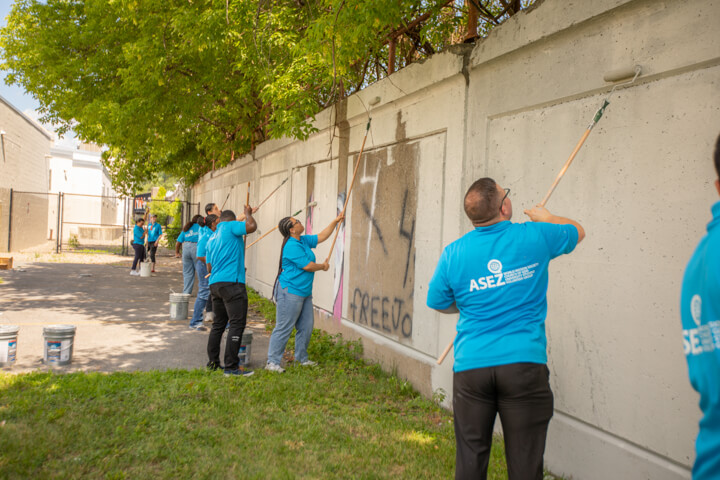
(295, 256)
(205, 234)
(192, 235)
(226, 253)
(154, 232)
(498, 277)
(138, 235)
(700, 312)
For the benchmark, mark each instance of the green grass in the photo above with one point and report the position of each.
(341, 419)
(263, 307)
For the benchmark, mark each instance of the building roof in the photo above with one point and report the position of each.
(36, 125)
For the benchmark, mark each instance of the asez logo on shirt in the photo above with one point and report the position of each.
(500, 278)
(490, 281)
(705, 338)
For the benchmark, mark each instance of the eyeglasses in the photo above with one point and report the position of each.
(507, 192)
(297, 222)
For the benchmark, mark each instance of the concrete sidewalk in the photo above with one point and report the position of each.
(122, 321)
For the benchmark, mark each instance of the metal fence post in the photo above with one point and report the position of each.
(57, 229)
(62, 215)
(10, 221)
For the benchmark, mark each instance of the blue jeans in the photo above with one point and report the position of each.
(292, 311)
(202, 294)
(189, 258)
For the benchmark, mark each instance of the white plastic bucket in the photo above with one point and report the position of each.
(145, 269)
(8, 344)
(245, 348)
(58, 343)
(179, 306)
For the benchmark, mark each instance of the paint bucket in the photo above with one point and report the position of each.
(145, 269)
(179, 306)
(8, 344)
(245, 347)
(58, 343)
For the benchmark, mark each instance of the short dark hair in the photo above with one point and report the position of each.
(717, 156)
(482, 202)
(209, 207)
(227, 216)
(138, 220)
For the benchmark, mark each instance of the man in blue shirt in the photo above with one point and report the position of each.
(154, 233)
(226, 263)
(700, 312)
(496, 277)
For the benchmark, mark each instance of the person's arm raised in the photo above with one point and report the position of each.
(325, 234)
(541, 214)
(250, 225)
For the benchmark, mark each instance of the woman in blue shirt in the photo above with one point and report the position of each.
(293, 290)
(138, 245)
(188, 239)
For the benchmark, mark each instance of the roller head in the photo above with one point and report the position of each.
(622, 74)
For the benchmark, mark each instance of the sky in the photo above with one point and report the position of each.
(17, 96)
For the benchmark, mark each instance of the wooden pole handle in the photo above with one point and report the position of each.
(445, 353)
(567, 165)
(272, 193)
(263, 236)
(347, 198)
(247, 202)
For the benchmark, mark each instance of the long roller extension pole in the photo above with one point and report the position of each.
(228, 196)
(272, 193)
(247, 202)
(613, 76)
(275, 227)
(352, 182)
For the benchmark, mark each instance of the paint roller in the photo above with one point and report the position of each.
(613, 76)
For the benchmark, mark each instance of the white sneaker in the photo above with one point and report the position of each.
(308, 363)
(274, 367)
(134, 273)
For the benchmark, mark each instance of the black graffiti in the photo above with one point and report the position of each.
(381, 313)
(366, 209)
(409, 235)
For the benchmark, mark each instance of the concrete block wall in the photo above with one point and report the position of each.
(513, 107)
(24, 148)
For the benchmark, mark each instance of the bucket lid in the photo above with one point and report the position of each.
(59, 329)
(6, 329)
(179, 296)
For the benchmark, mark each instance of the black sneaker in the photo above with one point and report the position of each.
(238, 372)
(212, 366)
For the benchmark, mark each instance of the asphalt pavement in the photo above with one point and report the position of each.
(123, 322)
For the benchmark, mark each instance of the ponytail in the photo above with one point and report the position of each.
(196, 219)
(284, 227)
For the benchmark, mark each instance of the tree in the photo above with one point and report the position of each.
(185, 86)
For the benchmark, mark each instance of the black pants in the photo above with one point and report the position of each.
(520, 393)
(230, 304)
(152, 249)
(139, 254)
(208, 305)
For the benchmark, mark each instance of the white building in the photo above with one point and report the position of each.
(91, 210)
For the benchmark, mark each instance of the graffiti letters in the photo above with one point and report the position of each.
(391, 315)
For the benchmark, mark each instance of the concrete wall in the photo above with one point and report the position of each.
(513, 107)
